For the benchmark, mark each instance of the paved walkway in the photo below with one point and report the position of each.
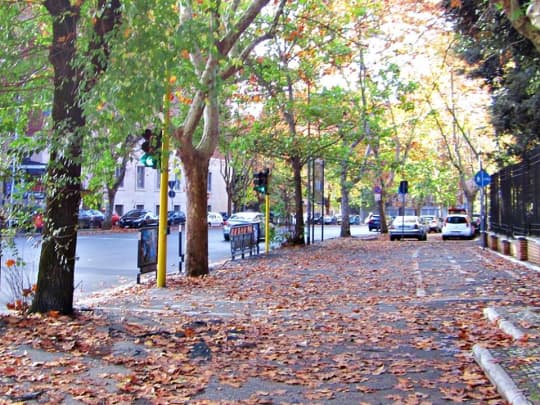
(342, 322)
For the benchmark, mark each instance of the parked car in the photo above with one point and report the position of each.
(315, 219)
(98, 215)
(408, 226)
(374, 222)
(137, 218)
(457, 226)
(214, 219)
(330, 220)
(176, 218)
(246, 217)
(354, 220)
(90, 219)
(432, 223)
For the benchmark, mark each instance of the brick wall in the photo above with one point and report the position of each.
(533, 251)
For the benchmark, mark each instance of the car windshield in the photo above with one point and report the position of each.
(456, 220)
(135, 213)
(407, 220)
(243, 217)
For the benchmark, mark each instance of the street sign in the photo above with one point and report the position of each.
(172, 183)
(377, 189)
(403, 187)
(172, 194)
(482, 178)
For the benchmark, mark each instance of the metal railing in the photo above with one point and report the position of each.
(515, 198)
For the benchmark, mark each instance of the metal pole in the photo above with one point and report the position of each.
(482, 230)
(313, 182)
(180, 247)
(267, 223)
(307, 226)
(164, 181)
(322, 200)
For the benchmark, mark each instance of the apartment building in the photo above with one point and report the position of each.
(141, 188)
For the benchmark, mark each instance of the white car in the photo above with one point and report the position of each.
(246, 217)
(214, 219)
(457, 226)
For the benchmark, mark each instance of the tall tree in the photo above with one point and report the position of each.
(55, 282)
(286, 76)
(212, 62)
(501, 41)
(195, 48)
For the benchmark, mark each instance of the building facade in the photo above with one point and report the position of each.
(141, 188)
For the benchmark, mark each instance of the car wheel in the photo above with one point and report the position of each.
(392, 238)
(444, 237)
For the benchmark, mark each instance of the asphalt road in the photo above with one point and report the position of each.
(109, 259)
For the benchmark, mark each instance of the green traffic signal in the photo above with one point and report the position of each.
(149, 160)
(151, 148)
(260, 181)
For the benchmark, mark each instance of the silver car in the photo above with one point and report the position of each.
(408, 226)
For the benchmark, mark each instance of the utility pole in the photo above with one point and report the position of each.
(163, 191)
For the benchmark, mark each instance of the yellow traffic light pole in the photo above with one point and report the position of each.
(164, 180)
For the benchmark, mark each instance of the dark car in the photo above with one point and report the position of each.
(137, 218)
(374, 223)
(176, 218)
(90, 219)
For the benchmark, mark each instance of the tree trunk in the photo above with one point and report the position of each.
(55, 282)
(196, 170)
(382, 212)
(345, 190)
(298, 237)
(109, 210)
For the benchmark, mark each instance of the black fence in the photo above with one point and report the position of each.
(515, 198)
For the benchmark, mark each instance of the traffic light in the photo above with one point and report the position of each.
(403, 187)
(260, 181)
(151, 148)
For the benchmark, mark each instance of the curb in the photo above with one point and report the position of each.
(506, 326)
(498, 377)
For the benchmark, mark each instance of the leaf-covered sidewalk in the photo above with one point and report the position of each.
(349, 321)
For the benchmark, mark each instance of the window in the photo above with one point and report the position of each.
(209, 188)
(456, 220)
(158, 179)
(117, 174)
(139, 207)
(177, 184)
(140, 178)
(119, 209)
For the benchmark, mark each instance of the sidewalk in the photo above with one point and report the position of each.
(339, 322)
(515, 370)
